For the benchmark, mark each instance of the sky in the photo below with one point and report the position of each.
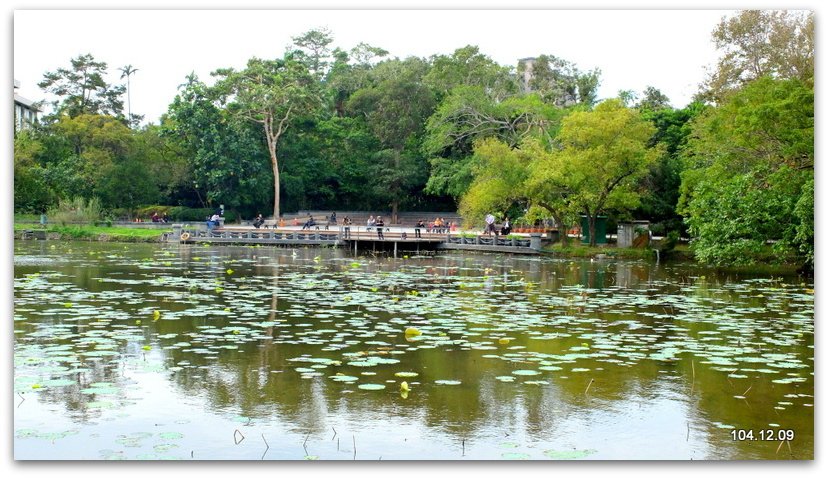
(667, 49)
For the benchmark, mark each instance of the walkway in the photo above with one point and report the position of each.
(358, 238)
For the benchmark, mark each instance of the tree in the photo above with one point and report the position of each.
(468, 67)
(81, 89)
(749, 172)
(395, 111)
(128, 71)
(500, 173)
(270, 93)
(227, 157)
(653, 99)
(350, 72)
(604, 153)
(560, 82)
(32, 194)
(758, 43)
(662, 182)
(469, 114)
(312, 49)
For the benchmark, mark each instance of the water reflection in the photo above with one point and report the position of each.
(541, 357)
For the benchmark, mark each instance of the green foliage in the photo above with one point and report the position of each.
(499, 178)
(76, 210)
(732, 220)
(560, 82)
(662, 182)
(468, 114)
(749, 165)
(395, 110)
(759, 43)
(81, 89)
(228, 161)
(804, 216)
(604, 153)
(270, 94)
(468, 67)
(31, 189)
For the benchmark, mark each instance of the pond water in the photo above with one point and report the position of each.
(150, 352)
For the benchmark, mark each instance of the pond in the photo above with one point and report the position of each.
(183, 352)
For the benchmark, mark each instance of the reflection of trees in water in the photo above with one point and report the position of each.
(259, 381)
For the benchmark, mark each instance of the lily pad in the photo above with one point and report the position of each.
(568, 454)
(371, 386)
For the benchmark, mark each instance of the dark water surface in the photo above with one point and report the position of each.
(133, 351)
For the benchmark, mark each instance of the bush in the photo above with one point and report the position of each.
(182, 213)
(76, 210)
(147, 211)
(669, 242)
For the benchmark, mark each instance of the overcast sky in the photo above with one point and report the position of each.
(668, 49)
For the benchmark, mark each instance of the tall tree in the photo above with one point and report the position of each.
(270, 93)
(559, 81)
(653, 99)
(395, 111)
(469, 114)
(749, 173)
(661, 184)
(351, 71)
(312, 48)
(604, 153)
(757, 43)
(81, 89)
(468, 67)
(127, 71)
(227, 156)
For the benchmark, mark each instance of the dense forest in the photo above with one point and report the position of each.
(321, 127)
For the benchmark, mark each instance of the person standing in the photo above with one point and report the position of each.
(490, 220)
(420, 225)
(380, 224)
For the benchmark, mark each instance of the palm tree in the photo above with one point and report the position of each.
(128, 71)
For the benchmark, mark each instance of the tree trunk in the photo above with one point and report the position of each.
(395, 203)
(592, 229)
(275, 163)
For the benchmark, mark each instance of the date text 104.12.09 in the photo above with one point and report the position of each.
(767, 434)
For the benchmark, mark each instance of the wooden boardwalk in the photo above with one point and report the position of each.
(358, 239)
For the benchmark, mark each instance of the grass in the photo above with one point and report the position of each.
(103, 233)
(575, 249)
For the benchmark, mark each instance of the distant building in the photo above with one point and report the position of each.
(25, 110)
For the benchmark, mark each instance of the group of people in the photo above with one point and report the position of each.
(379, 223)
(157, 218)
(436, 226)
(439, 226)
(491, 228)
(214, 220)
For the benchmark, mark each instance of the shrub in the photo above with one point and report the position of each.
(76, 210)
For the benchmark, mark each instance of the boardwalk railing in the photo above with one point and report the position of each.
(341, 235)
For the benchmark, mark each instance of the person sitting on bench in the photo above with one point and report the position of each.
(309, 223)
(213, 222)
(257, 223)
